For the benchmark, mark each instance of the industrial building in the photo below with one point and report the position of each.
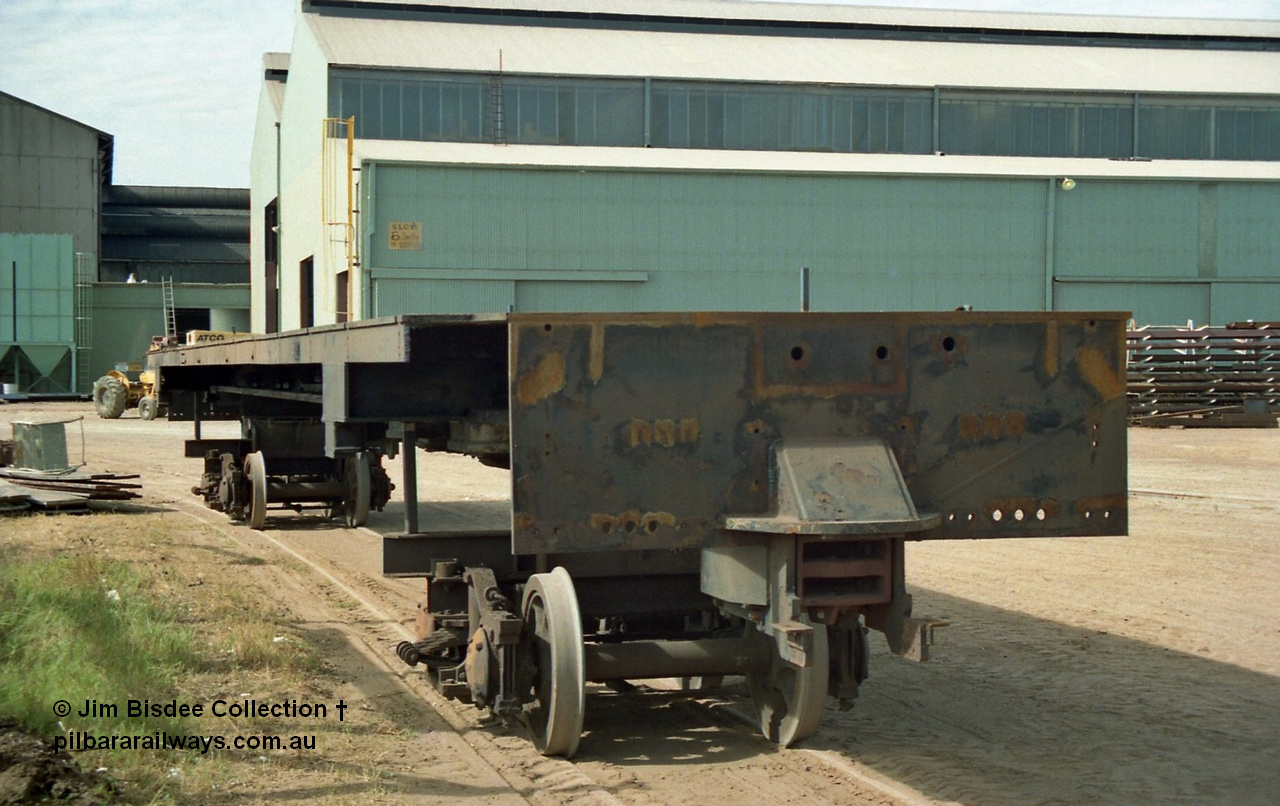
(83, 261)
(698, 154)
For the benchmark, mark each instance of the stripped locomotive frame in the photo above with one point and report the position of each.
(692, 495)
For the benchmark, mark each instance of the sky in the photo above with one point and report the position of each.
(177, 82)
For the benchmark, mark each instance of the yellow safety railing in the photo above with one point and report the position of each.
(338, 205)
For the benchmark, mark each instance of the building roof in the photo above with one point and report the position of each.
(792, 162)
(106, 142)
(815, 16)
(58, 115)
(274, 64)
(437, 41)
(445, 46)
(275, 71)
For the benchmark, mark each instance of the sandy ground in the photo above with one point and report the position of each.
(1109, 670)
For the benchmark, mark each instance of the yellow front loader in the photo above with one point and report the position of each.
(114, 392)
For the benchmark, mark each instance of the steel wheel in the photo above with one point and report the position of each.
(553, 638)
(256, 470)
(355, 507)
(789, 699)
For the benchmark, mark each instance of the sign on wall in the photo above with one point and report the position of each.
(405, 235)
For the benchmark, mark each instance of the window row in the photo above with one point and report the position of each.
(722, 115)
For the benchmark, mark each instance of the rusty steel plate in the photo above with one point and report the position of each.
(646, 431)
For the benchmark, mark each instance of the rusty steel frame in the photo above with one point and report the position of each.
(1004, 424)
(696, 471)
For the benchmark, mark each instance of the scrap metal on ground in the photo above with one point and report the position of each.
(36, 473)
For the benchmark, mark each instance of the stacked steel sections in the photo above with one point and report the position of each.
(1205, 375)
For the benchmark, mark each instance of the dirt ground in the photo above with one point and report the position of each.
(1143, 669)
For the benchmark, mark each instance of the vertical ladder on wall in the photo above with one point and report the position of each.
(170, 312)
(85, 275)
(498, 121)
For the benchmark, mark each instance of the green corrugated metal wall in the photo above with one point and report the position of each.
(37, 312)
(1127, 229)
(1248, 238)
(1208, 252)
(641, 240)
(37, 287)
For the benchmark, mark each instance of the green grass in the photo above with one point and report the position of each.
(192, 623)
(62, 637)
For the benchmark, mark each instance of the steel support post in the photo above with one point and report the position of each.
(409, 454)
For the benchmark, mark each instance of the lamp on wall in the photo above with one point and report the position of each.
(1067, 183)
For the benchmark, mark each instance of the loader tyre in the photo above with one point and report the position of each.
(148, 407)
(109, 397)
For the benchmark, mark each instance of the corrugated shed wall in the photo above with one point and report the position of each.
(643, 240)
(1128, 229)
(1151, 303)
(407, 295)
(1248, 236)
(718, 241)
(49, 174)
(1208, 252)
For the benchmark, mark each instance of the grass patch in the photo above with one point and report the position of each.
(112, 608)
(80, 629)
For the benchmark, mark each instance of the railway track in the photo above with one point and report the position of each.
(633, 740)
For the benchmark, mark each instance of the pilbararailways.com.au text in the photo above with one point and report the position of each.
(78, 740)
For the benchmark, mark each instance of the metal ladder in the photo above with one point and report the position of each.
(170, 312)
(498, 121)
(86, 273)
(497, 112)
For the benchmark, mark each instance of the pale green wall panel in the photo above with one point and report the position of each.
(1236, 302)
(1151, 303)
(127, 315)
(41, 266)
(1248, 230)
(1128, 229)
(722, 241)
(725, 241)
(396, 296)
(577, 296)
(752, 290)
